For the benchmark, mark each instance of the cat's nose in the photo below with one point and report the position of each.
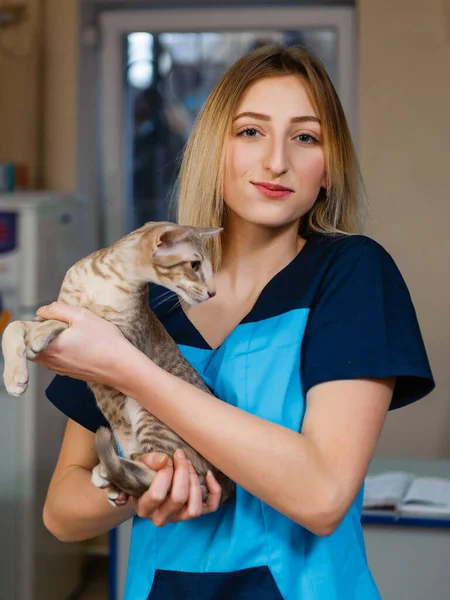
(211, 294)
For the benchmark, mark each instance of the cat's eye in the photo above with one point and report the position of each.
(195, 264)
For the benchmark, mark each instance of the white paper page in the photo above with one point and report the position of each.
(429, 511)
(429, 490)
(386, 490)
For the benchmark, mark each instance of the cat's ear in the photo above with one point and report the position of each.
(207, 232)
(166, 236)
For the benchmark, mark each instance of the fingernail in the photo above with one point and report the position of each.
(209, 473)
(41, 308)
(160, 459)
(180, 454)
(191, 468)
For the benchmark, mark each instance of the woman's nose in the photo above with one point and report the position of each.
(276, 158)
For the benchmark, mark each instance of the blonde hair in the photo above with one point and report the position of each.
(339, 209)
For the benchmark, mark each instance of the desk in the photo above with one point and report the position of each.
(409, 557)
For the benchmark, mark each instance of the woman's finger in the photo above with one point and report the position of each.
(194, 506)
(179, 494)
(215, 493)
(149, 502)
(154, 460)
(61, 312)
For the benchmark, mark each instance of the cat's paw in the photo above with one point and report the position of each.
(16, 379)
(99, 477)
(40, 337)
(204, 488)
(116, 497)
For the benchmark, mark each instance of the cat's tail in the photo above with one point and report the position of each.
(129, 476)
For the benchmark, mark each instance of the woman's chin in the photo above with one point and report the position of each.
(270, 221)
(270, 215)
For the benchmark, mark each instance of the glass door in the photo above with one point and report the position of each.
(158, 68)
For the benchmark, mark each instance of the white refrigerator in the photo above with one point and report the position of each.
(41, 235)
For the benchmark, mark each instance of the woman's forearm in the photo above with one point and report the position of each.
(75, 510)
(276, 464)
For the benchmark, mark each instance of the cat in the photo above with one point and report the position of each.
(113, 283)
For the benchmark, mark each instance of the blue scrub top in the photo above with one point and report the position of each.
(339, 310)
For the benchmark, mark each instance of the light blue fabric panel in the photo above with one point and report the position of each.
(257, 368)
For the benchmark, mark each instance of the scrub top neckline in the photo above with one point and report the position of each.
(262, 295)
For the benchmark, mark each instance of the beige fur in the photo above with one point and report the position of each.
(113, 284)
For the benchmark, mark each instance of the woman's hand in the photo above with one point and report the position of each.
(90, 349)
(184, 500)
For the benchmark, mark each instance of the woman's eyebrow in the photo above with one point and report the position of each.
(262, 117)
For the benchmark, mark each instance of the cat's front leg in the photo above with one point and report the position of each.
(24, 340)
(40, 334)
(123, 477)
(15, 373)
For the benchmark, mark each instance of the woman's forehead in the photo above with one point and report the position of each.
(287, 94)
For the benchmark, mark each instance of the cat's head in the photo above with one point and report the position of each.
(175, 257)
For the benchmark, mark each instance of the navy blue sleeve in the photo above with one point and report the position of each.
(73, 398)
(362, 324)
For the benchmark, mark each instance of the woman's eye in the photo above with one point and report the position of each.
(248, 132)
(307, 138)
(195, 264)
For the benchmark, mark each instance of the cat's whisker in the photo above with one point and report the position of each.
(176, 305)
(163, 298)
(165, 294)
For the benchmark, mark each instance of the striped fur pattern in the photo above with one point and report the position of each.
(113, 284)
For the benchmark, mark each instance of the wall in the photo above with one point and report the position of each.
(20, 101)
(38, 97)
(60, 94)
(404, 53)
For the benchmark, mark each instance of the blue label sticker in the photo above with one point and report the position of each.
(8, 231)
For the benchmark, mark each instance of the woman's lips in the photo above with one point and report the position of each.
(272, 190)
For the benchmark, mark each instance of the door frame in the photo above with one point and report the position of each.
(115, 24)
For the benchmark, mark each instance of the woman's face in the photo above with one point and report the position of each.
(275, 163)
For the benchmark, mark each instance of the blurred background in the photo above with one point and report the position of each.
(97, 99)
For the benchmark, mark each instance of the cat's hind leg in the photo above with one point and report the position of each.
(114, 496)
(119, 475)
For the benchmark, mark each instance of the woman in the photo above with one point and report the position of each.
(310, 340)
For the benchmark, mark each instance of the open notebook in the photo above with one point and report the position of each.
(406, 494)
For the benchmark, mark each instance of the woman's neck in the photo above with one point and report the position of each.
(253, 254)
